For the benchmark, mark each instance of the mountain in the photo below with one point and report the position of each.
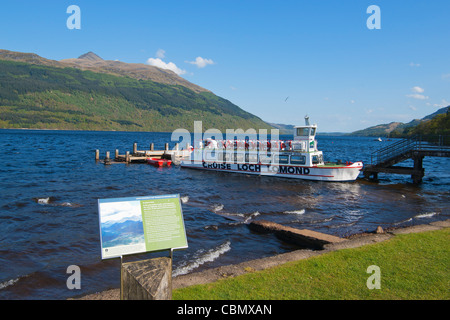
(378, 130)
(122, 233)
(284, 128)
(89, 93)
(437, 123)
(445, 110)
(90, 56)
(91, 61)
(289, 129)
(399, 129)
(28, 58)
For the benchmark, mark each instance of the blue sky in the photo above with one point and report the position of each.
(279, 60)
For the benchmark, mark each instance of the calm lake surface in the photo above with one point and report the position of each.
(50, 185)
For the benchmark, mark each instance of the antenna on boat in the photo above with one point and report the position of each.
(307, 120)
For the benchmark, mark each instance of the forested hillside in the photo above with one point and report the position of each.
(46, 97)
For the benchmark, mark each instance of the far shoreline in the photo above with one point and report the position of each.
(85, 130)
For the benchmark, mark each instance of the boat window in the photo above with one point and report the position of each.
(317, 159)
(211, 155)
(265, 158)
(298, 160)
(239, 157)
(313, 131)
(253, 158)
(275, 159)
(283, 159)
(229, 157)
(303, 132)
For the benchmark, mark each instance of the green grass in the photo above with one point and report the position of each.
(412, 266)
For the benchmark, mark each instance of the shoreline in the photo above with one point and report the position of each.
(215, 274)
(79, 130)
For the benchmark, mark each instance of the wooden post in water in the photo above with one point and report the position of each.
(418, 169)
(107, 158)
(166, 146)
(134, 148)
(117, 154)
(152, 146)
(127, 157)
(97, 155)
(147, 280)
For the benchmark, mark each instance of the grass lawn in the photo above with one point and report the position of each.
(412, 266)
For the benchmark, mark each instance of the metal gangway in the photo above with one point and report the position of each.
(416, 148)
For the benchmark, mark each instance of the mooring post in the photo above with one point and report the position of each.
(97, 155)
(418, 169)
(117, 154)
(127, 157)
(134, 148)
(107, 156)
(166, 146)
(152, 146)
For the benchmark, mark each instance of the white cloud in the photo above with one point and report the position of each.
(116, 211)
(412, 64)
(417, 89)
(160, 53)
(417, 96)
(417, 93)
(352, 101)
(443, 103)
(201, 62)
(412, 108)
(163, 65)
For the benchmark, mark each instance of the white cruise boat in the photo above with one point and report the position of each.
(297, 159)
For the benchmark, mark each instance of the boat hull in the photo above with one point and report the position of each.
(159, 162)
(340, 173)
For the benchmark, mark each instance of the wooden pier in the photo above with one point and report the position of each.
(141, 156)
(301, 237)
(416, 148)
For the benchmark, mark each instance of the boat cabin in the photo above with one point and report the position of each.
(305, 137)
(302, 151)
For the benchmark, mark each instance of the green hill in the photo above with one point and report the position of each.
(436, 123)
(439, 124)
(54, 97)
(380, 130)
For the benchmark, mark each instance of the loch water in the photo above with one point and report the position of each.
(50, 186)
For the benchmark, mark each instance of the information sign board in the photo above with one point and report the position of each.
(140, 224)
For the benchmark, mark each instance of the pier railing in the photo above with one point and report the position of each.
(431, 143)
(394, 149)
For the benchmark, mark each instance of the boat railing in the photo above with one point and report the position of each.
(252, 145)
(255, 145)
